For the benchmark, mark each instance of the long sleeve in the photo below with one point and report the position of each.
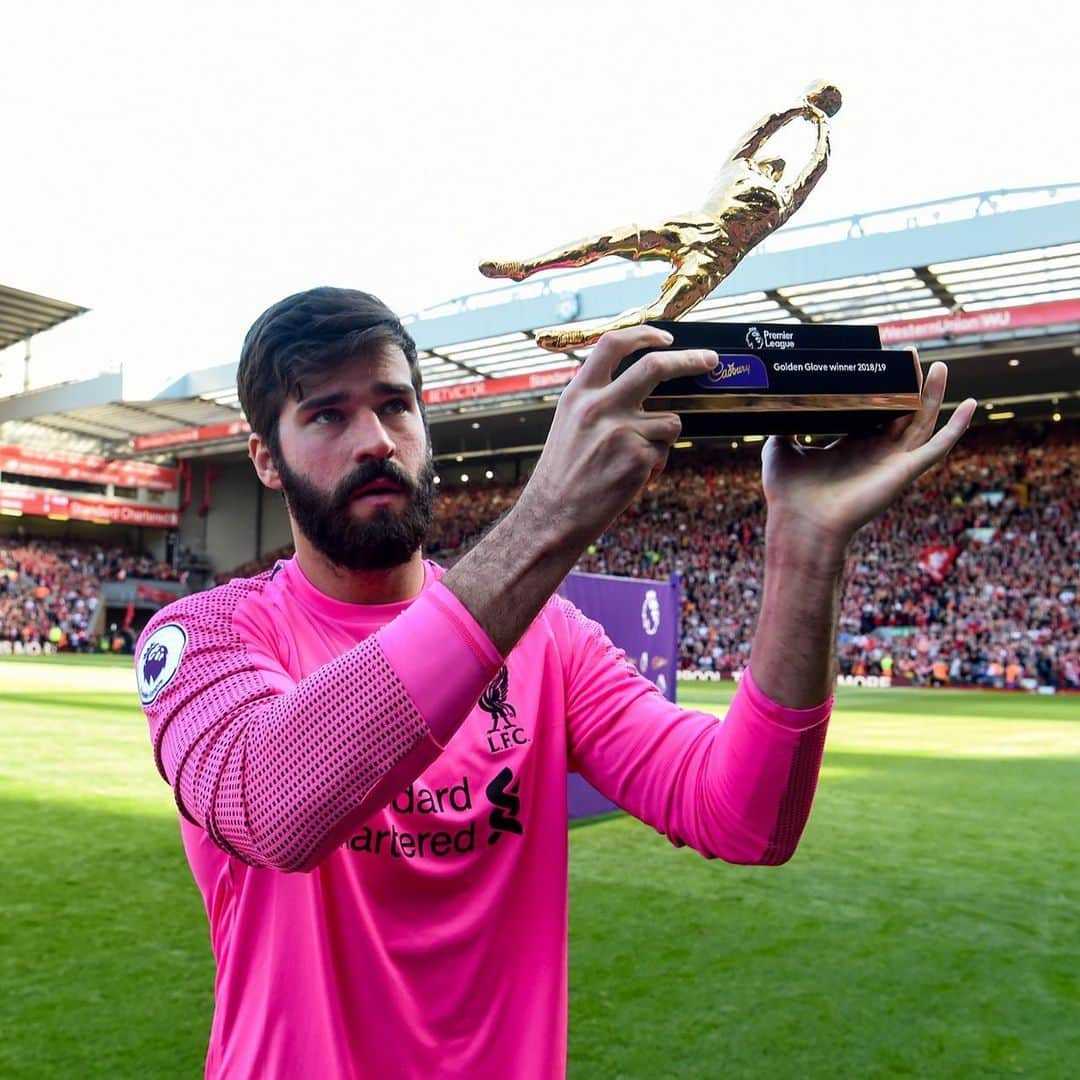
(278, 770)
(739, 788)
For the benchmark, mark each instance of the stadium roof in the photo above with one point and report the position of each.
(23, 314)
(982, 252)
(972, 252)
(84, 416)
(969, 253)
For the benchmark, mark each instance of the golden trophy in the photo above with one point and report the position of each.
(750, 199)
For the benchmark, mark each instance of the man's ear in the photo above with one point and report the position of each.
(263, 461)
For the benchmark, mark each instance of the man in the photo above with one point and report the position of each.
(386, 887)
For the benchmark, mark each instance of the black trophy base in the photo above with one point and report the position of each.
(787, 380)
(697, 425)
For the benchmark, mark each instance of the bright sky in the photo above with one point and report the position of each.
(178, 167)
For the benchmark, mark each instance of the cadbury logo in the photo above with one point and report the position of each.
(729, 371)
(735, 370)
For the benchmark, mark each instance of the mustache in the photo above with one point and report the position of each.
(365, 473)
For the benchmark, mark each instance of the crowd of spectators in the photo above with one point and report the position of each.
(1005, 613)
(1002, 612)
(50, 589)
(49, 592)
(1006, 505)
(117, 564)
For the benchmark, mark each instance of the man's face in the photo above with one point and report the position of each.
(355, 465)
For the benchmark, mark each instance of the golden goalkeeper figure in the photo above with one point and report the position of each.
(749, 200)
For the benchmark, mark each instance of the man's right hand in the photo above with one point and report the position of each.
(603, 448)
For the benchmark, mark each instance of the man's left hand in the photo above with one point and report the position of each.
(818, 497)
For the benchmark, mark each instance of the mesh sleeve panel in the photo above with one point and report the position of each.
(277, 778)
(739, 789)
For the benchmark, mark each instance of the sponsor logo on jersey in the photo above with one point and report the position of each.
(413, 837)
(438, 823)
(159, 661)
(502, 794)
(505, 733)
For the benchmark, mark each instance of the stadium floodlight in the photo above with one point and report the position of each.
(924, 309)
(743, 300)
(762, 310)
(1027, 267)
(851, 282)
(431, 375)
(1019, 300)
(1067, 275)
(448, 378)
(466, 351)
(529, 354)
(863, 292)
(877, 302)
(856, 292)
(1004, 260)
(920, 307)
(481, 343)
(525, 367)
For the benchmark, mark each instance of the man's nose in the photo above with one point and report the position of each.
(371, 439)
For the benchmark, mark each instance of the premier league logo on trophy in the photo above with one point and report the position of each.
(834, 379)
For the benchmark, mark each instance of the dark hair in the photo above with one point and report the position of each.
(305, 335)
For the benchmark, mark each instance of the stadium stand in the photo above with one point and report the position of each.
(1003, 508)
(970, 580)
(51, 591)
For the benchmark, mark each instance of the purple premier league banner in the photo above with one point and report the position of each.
(642, 618)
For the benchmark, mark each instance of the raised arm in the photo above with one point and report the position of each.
(742, 789)
(817, 499)
(804, 183)
(602, 450)
(763, 130)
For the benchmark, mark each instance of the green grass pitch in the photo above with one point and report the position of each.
(927, 926)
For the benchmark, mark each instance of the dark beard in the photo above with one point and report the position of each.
(387, 539)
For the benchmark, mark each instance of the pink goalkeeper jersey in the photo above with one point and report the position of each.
(373, 804)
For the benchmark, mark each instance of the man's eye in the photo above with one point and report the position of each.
(396, 405)
(326, 416)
